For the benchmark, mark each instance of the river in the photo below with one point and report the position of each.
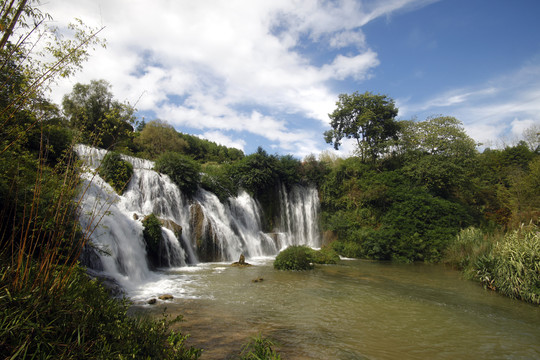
(354, 310)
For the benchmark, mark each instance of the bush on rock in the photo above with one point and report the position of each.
(153, 238)
(294, 258)
(116, 171)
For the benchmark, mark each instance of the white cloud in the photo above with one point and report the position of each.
(519, 126)
(348, 38)
(222, 139)
(195, 63)
(356, 67)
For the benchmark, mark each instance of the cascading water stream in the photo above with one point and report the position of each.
(200, 229)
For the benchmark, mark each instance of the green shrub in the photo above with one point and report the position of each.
(259, 348)
(468, 245)
(116, 171)
(153, 237)
(326, 255)
(421, 225)
(294, 258)
(182, 170)
(216, 178)
(79, 321)
(348, 249)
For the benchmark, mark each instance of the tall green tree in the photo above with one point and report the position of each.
(368, 118)
(102, 120)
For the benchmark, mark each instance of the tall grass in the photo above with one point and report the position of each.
(508, 263)
(517, 264)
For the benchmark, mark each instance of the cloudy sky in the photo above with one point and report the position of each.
(249, 73)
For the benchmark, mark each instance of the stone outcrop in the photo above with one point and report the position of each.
(241, 262)
(171, 225)
(203, 236)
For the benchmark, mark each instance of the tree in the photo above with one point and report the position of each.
(102, 120)
(531, 135)
(257, 173)
(366, 117)
(438, 154)
(158, 137)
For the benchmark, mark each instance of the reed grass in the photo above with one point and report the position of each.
(508, 263)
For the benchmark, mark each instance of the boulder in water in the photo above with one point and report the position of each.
(260, 279)
(152, 301)
(166, 297)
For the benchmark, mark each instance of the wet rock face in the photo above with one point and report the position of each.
(203, 236)
(171, 225)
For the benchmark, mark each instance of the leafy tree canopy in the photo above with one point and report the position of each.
(438, 154)
(102, 120)
(366, 117)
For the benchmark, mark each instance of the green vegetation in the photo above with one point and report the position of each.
(158, 137)
(300, 257)
(182, 170)
(296, 257)
(101, 120)
(259, 348)
(153, 237)
(116, 171)
(368, 118)
(508, 263)
(326, 255)
(79, 321)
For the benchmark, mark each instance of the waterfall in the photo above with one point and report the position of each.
(299, 210)
(194, 230)
(113, 232)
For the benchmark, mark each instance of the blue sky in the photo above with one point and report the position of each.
(247, 73)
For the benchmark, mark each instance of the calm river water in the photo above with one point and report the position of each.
(353, 310)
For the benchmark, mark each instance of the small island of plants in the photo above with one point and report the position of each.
(300, 257)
